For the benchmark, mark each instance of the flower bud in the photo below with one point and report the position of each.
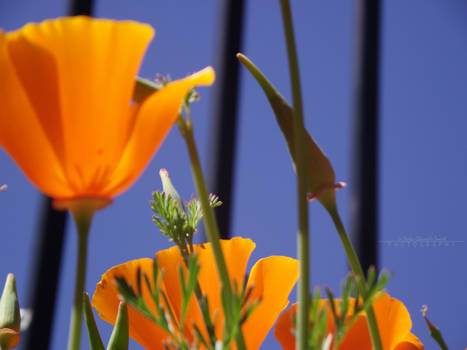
(10, 319)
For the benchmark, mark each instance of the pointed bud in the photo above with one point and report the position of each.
(119, 338)
(169, 188)
(95, 342)
(10, 319)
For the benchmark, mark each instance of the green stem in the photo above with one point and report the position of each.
(358, 271)
(199, 297)
(210, 224)
(83, 222)
(303, 231)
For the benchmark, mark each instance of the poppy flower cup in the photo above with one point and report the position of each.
(67, 117)
(393, 320)
(271, 278)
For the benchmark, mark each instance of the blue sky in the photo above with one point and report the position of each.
(422, 155)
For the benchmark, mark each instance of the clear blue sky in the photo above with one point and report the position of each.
(423, 148)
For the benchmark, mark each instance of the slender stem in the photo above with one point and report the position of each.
(358, 271)
(83, 223)
(199, 297)
(210, 225)
(303, 230)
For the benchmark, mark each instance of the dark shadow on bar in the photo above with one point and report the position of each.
(45, 275)
(224, 118)
(364, 189)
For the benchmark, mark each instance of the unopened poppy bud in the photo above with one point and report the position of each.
(169, 188)
(10, 319)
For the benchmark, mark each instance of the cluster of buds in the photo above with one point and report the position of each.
(10, 319)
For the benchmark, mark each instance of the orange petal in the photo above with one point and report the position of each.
(156, 116)
(272, 280)
(236, 253)
(285, 328)
(37, 72)
(96, 62)
(105, 301)
(393, 320)
(411, 342)
(23, 136)
(170, 260)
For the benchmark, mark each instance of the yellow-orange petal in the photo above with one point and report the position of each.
(393, 320)
(105, 301)
(36, 70)
(236, 253)
(22, 135)
(154, 119)
(96, 61)
(285, 327)
(170, 261)
(272, 280)
(393, 323)
(411, 342)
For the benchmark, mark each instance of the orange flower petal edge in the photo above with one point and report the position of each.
(265, 277)
(393, 322)
(67, 116)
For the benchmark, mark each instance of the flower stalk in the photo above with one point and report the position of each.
(210, 224)
(301, 169)
(356, 267)
(82, 215)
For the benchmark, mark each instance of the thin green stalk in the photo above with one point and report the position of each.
(303, 230)
(210, 224)
(199, 297)
(358, 271)
(83, 223)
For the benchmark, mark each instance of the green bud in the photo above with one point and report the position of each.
(9, 307)
(10, 319)
(95, 342)
(169, 188)
(119, 338)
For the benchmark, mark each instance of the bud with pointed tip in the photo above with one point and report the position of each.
(120, 335)
(10, 319)
(169, 188)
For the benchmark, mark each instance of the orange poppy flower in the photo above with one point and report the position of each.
(272, 279)
(391, 315)
(67, 117)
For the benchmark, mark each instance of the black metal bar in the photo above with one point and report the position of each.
(80, 7)
(45, 276)
(364, 195)
(224, 118)
(48, 255)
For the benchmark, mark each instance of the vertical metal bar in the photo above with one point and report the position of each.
(48, 255)
(224, 118)
(364, 195)
(45, 275)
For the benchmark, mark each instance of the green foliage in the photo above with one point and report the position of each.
(177, 221)
(237, 310)
(120, 334)
(344, 313)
